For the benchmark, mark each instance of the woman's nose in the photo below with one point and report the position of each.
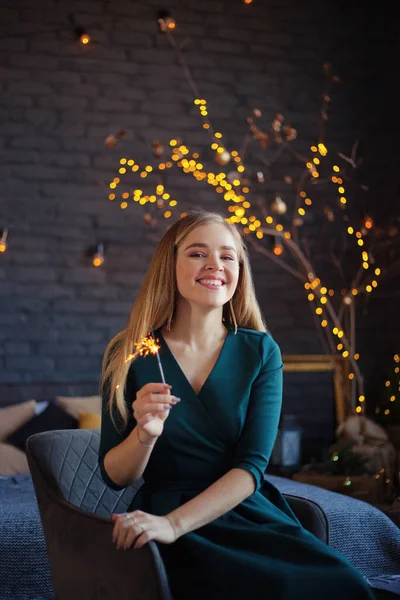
(214, 264)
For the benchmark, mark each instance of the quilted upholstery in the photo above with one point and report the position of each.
(72, 458)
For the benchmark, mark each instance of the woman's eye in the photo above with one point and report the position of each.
(201, 255)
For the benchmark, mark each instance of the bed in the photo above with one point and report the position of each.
(369, 539)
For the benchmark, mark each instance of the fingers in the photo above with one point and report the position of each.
(143, 539)
(153, 403)
(122, 528)
(128, 531)
(154, 388)
(165, 398)
(153, 397)
(155, 407)
(157, 398)
(130, 537)
(118, 533)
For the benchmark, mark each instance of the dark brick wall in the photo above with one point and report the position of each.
(59, 100)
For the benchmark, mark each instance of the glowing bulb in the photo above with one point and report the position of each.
(85, 39)
(98, 258)
(3, 240)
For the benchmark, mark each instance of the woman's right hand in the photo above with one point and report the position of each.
(151, 407)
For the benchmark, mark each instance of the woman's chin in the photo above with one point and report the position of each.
(206, 303)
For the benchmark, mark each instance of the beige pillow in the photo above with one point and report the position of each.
(73, 405)
(14, 416)
(12, 461)
(89, 420)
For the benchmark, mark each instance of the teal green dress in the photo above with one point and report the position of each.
(258, 550)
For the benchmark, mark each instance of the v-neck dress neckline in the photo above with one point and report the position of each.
(178, 366)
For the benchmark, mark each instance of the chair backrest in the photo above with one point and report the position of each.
(69, 462)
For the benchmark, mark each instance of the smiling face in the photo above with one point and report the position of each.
(207, 266)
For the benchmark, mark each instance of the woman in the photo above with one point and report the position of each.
(203, 440)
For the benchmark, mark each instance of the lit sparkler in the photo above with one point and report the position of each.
(147, 345)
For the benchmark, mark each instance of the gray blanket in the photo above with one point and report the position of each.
(360, 531)
(24, 566)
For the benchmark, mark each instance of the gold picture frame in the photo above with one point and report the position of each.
(314, 363)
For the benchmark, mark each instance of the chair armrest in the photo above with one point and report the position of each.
(84, 562)
(310, 515)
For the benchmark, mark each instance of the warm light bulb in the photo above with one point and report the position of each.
(85, 39)
(98, 261)
(368, 223)
(98, 257)
(3, 240)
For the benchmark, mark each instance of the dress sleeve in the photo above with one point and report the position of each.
(258, 436)
(113, 434)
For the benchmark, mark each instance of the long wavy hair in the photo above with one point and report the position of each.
(155, 303)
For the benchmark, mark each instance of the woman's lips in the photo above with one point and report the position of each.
(211, 286)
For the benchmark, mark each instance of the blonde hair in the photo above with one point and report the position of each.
(155, 303)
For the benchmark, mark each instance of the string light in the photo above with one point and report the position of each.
(98, 257)
(278, 248)
(80, 32)
(392, 385)
(3, 240)
(85, 39)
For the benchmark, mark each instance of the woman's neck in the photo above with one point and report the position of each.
(197, 331)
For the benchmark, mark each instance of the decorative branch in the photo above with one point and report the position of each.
(271, 221)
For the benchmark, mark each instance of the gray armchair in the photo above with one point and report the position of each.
(75, 505)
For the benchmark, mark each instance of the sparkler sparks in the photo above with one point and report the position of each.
(147, 345)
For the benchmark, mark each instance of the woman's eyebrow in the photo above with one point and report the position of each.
(202, 245)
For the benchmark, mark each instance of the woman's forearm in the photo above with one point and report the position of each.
(126, 462)
(223, 495)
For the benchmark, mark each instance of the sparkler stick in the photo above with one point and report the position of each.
(158, 357)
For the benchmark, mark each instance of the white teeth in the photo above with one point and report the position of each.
(215, 282)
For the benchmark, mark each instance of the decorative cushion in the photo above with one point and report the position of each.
(15, 416)
(12, 461)
(89, 420)
(76, 404)
(52, 418)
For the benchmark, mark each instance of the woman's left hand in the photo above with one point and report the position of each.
(137, 528)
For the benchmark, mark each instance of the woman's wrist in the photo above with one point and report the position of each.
(145, 440)
(174, 522)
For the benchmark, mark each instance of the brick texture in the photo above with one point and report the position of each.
(58, 102)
